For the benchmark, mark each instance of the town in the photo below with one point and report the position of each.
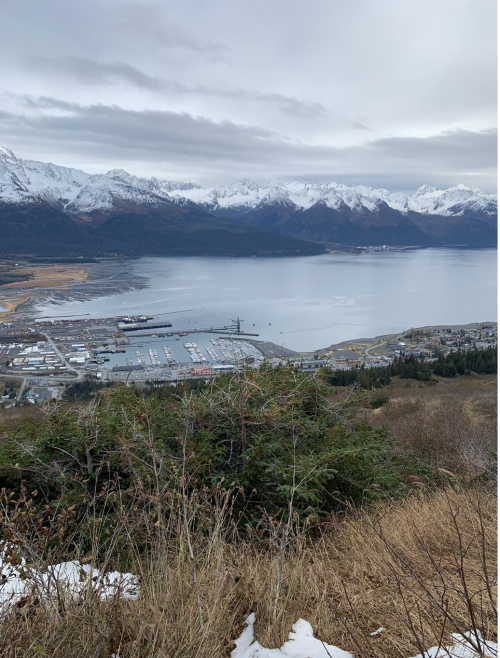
(40, 358)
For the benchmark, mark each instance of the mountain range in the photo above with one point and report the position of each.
(46, 208)
(359, 215)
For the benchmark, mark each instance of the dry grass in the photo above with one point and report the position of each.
(420, 568)
(452, 425)
(46, 276)
(13, 417)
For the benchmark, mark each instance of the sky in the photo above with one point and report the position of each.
(383, 93)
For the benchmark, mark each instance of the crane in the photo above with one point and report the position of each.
(238, 325)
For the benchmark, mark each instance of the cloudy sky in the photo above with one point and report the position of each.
(381, 92)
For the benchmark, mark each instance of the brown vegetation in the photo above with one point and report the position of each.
(452, 425)
(46, 276)
(421, 569)
(13, 417)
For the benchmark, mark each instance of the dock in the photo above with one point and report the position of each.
(136, 326)
(145, 325)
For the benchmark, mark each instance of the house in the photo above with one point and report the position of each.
(348, 356)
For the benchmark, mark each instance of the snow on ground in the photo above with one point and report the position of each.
(378, 631)
(463, 649)
(302, 644)
(72, 579)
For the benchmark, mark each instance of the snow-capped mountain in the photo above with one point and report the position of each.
(348, 214)
(330, 212)
(161, 187)
(74, 191)
(47, 210)
(245, 195)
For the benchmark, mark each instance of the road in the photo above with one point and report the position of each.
(368, 349)
(63, 360)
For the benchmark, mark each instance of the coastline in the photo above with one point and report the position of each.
(44, 278)
(345, 297)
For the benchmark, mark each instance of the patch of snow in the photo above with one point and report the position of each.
(378, 631)
(463, 648)
(71, 578)
(301, 644)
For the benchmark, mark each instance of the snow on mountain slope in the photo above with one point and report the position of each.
(13, 179)
(426, 200)
(99, 194)
(75, 191)
(22, 180)
(161, 187)
(72, 190)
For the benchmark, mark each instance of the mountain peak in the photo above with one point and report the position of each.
(118, 173)
(7, 153)
(424, 189)
(277, 195)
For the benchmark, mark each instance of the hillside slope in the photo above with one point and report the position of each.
(39, 229)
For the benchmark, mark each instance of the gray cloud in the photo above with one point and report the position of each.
(386, 93)
(187, 146)
(89, 72)
(360, 126)
(149, 21)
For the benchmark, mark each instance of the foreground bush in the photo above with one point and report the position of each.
(271, 435)
(253, 494)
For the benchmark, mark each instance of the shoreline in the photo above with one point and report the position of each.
(160, 286)
(45, 278)
(267, 347)
(91, 281)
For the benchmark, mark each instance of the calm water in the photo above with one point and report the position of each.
(303, 303)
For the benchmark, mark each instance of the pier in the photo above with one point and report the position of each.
(209, 330)
(136, 326)
(233, 329)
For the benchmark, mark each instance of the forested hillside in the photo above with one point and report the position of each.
(461, 362)
(38, 229)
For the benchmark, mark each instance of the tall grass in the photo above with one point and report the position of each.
(420, 568)
(451, 426)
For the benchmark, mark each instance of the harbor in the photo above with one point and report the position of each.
(154, 352)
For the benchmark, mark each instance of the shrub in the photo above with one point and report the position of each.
(271, 432)
(379, 400)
